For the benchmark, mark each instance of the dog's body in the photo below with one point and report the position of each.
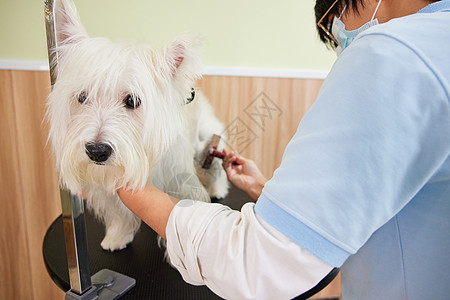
(119, 117)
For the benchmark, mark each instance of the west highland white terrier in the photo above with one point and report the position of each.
(120, 116)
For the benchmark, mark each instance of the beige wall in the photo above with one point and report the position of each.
(252, 33)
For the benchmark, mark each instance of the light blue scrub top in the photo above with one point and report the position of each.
(365, 182)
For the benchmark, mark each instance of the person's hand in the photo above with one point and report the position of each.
(244, 174)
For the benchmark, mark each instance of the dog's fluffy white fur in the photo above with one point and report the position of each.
(158, 139)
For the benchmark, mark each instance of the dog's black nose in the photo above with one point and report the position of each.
(98, 152)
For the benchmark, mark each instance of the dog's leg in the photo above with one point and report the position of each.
(120, 223)
(120, 229)
(214, 179)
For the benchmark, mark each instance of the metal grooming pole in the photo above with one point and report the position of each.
(105, 284)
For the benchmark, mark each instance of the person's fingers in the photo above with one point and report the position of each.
(240, 160)
(225, 159)
(229, 158)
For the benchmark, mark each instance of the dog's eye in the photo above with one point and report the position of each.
(82, 97)
(131, 101)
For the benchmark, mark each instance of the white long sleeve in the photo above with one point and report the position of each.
(237, 255)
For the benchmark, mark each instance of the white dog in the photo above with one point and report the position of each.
(119, 117)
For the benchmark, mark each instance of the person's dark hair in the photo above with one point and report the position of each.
(323, 5)
(320, 9)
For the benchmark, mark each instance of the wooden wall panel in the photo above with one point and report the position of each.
(261, 114)
(29, 199)
(39, 180)
(14, 252)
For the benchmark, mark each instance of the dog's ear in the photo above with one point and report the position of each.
(182, 58)
(69, 29)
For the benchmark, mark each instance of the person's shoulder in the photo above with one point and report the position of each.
(396, 48)
(419, 31)
(422, 40)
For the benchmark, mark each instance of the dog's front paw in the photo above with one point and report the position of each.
(219, 187)
(219, 192)
(114, 243)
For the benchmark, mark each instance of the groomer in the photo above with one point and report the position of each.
(363, 185)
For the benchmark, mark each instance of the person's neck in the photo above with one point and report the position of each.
(401, 8)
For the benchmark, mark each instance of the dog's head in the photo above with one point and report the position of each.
(115, 107)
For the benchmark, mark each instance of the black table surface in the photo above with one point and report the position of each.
(142, 260)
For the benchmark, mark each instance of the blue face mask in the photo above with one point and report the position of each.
(345, 37)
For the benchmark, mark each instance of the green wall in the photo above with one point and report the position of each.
(251, 33)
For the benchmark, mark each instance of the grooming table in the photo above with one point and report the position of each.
(142, 260)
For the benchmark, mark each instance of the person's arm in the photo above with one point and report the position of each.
(154, 206)
(237, 255)
(151, 205)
